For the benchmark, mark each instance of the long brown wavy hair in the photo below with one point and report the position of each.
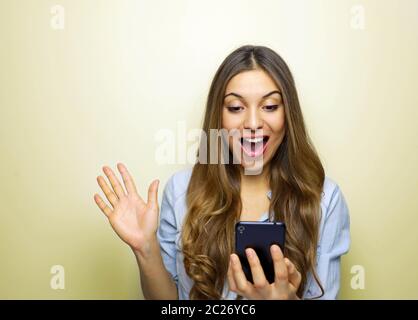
(213, 197)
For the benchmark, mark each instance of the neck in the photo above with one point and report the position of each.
(252, 183)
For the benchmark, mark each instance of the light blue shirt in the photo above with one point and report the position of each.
(334, 237)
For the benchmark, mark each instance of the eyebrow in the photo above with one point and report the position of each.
(241, 97)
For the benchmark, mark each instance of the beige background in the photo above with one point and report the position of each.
(98, 91)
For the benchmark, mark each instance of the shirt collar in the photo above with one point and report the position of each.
(265, 217)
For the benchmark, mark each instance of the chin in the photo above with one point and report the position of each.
(253, 167)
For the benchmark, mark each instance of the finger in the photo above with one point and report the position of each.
(153, 193)
(113, 199)
(231, 282)
(295, 278)
(127, 179)
(280, 268)
(114, 181)
(242, 284)
(102, 205)
(259, 279)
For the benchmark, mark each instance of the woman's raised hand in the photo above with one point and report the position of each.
(134, 220)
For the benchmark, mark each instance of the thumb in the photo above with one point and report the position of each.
(153, 193)
(295, 277)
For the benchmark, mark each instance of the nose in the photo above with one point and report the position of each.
(253, 120)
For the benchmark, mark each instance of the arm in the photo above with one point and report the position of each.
(135, 222)
(156, 282)
(334, 242)
(158, 270)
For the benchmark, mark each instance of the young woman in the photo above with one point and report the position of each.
(189, 253)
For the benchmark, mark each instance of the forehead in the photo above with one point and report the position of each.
(251, 83)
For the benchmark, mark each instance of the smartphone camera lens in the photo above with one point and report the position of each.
(241, 229)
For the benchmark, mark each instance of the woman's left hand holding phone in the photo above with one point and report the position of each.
(286, 283)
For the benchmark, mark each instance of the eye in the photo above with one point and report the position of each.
(234, 109)
(271, 108)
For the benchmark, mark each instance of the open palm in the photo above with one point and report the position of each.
(134, 220)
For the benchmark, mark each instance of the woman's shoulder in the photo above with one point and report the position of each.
(177, 183)
(173, 204)
(332, 196)
(181, 178)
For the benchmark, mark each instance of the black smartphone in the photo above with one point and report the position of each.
(259, 236)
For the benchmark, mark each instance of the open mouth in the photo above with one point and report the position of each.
(255, 146)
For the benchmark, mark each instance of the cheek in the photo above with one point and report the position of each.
(230, 121)
(225, 119)
(277, 121)
(228, 124)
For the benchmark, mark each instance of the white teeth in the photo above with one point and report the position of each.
(255, 140)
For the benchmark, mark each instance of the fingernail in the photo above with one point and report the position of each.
(249, 253)
(233, 259)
